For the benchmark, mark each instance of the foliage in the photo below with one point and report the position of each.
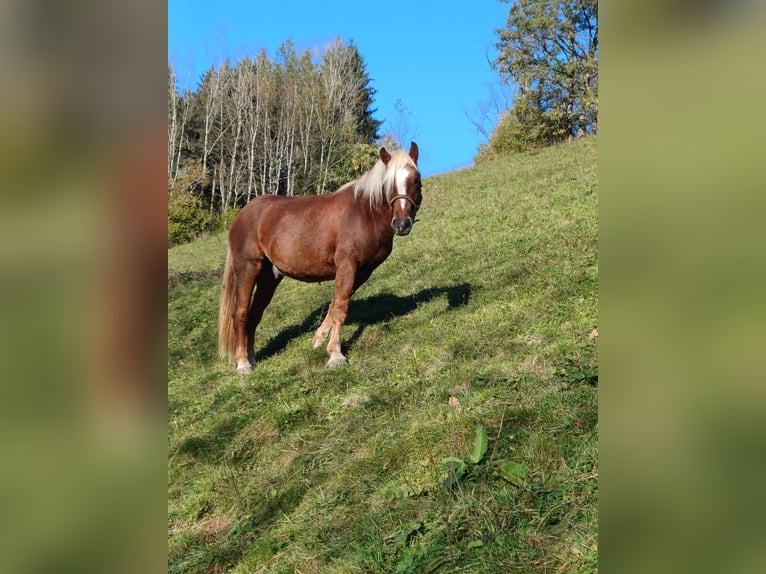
(225, 219)
(479, 445)
(456, 467)
(522, 128)
(187, 215)
(187, 219)
(295, 123)
(484, 315)
(351, 162)
(549, 49)
(509, 136)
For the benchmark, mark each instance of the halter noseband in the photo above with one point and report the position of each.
(405, 197)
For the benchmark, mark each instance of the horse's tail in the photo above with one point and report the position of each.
(227, 340)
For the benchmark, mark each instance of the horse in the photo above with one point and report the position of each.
(344, 235)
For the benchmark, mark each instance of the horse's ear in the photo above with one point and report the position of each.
(414, 151)
(384, 155)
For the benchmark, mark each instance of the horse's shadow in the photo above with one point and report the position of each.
(365, 312)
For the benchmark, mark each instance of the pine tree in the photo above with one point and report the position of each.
(367, 125)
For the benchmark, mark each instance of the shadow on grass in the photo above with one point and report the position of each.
(211, 446)
(369, 311)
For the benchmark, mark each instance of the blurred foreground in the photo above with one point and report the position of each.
(82, 294)
(683, 313)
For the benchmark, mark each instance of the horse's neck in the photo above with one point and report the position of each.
(381, 212)
(375, 211)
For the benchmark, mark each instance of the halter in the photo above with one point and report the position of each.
(405, 197)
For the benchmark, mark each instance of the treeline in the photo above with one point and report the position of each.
(299, 123)
(548, 51)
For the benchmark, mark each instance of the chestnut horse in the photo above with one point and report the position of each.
(342, 235)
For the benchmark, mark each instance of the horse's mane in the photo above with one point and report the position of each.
(378, 183)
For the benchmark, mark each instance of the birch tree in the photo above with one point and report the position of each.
(299, 123)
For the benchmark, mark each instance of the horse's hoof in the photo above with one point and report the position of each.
(316, 344)
(244, 369)
(336, 361)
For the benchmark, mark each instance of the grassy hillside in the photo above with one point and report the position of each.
(479, 325)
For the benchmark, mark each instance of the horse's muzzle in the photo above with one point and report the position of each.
(401, 226)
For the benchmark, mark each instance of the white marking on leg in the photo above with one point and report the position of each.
(277, 272)
(244, 367)
(336, 360)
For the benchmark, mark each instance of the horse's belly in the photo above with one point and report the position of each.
(312, 276)
(295, 248)
(303, 268)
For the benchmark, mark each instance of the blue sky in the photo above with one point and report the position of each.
(433, 56)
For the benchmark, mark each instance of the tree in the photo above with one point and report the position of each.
(173, 127)
(549, 49)
(345, 115)
(366, 126)
(489, 112)
(178, 114)
(299, 123)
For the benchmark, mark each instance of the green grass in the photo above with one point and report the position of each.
(491, 300)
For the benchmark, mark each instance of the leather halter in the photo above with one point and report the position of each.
(405, 197)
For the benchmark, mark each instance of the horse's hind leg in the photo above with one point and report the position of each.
(246, 275)
(265, 286)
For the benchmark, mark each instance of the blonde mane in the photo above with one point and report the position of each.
(378, 183)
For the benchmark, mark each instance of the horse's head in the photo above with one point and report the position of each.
(406, 195)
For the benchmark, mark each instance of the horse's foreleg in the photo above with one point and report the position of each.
(337, 317)
(344, 287)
